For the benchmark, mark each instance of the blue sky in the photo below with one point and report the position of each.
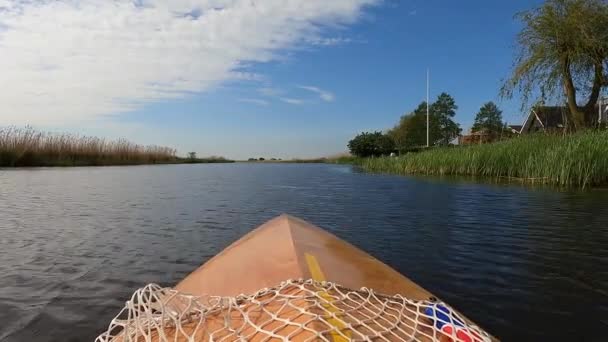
(295, 80)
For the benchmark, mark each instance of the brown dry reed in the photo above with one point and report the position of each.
(21, 147)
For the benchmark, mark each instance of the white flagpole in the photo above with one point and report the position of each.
(428, 80)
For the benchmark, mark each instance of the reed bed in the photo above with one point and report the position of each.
(577, 160)
(29, 147)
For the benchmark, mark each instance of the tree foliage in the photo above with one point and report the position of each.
(369, 144)
(443, 111)
(410, 132)
(563, 53)
(489, 118)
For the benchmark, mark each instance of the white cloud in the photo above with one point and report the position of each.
(292, 101)
(258, 102)
(267, 91)
(323, 94)
(65, 61)
(324, 41)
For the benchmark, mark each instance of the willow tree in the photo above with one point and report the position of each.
(563, 54)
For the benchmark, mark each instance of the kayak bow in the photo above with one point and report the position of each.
(208, 304)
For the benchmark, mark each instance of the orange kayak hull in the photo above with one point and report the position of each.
(289, 248)
(289, 280)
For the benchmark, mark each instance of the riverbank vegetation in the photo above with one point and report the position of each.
(562, 58)
(343, 158)
(578, 160)
(206, 160)
(368, 144)
(193, 159)
(562, 158)
(411, 133)
(26, 147)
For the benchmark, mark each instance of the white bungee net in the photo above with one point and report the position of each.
(296, 310)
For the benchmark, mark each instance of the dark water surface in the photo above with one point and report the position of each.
(527, 264)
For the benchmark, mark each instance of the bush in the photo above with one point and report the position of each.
(373, 144)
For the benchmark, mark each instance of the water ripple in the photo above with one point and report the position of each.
(74, 243)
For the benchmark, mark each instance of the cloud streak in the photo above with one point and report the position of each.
(323, 94)
(97, 58)
(292, 101)
(267, 91)
(258, 102)
(329, 41)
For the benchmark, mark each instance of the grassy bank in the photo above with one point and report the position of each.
(578, 160)
(27, 147)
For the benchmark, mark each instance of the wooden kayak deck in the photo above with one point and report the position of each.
(289, 248)
(282, 249)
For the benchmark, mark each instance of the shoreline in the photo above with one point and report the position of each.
(100, 163)
(28, 147)
(575, 161)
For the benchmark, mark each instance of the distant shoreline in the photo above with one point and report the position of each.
(325, 160)
(292, 161)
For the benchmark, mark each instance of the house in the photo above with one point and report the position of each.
(545, 119)
(483, 136)
(515, 129)
(540, 119)
(554, 118)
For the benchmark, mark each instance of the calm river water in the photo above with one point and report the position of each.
(526, 264)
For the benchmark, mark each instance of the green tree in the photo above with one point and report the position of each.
(371, 144)
(443, 111)
(563, 52)
(410, 132)
(489, 118)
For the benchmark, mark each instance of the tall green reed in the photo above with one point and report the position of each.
(577, 160)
